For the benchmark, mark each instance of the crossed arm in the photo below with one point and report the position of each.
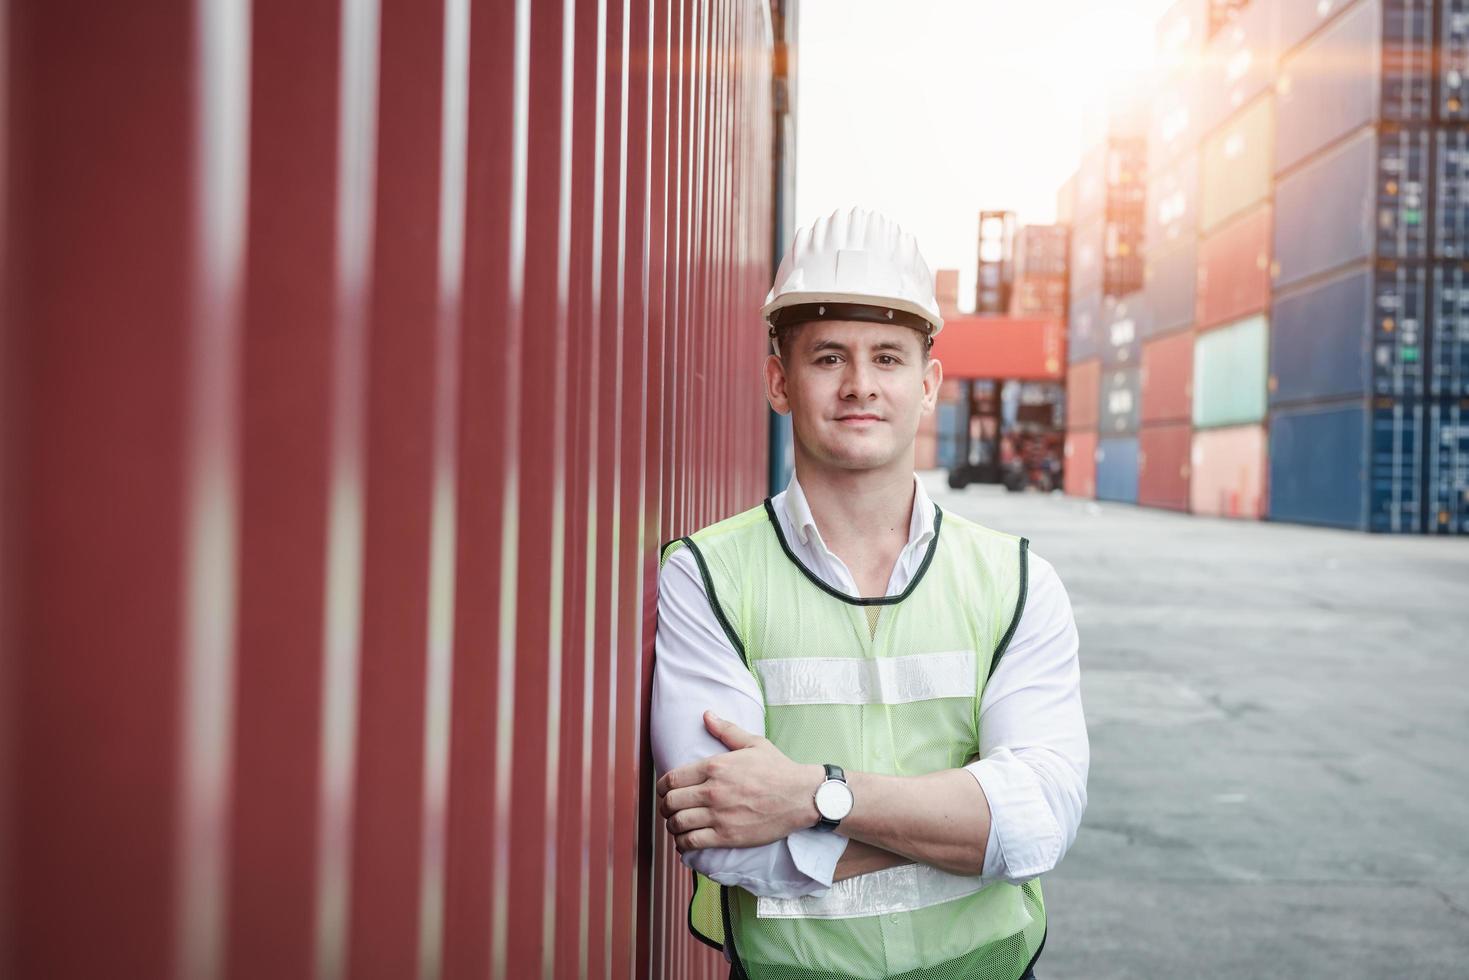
(754, 795)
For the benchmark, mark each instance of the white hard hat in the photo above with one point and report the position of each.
(853, 265)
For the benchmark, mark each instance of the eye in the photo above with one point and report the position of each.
(828, 359)
(887, 359)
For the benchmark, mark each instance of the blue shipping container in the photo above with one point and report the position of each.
(1124, 321)
(1084, 327)
(1449, 352)
(1366, 198)
(1450, 100)
(1117, 470)
(1374, 63)
(1172, 283)
(1450, 193)
(1121, 401)
(1448, 466)
(1352, 465)
(1360, 333)
(1238, 64)
(947, 441)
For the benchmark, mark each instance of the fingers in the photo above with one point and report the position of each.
(689, 775)
(683, 799)
(732, 735)
(696, 840)
(695, 818)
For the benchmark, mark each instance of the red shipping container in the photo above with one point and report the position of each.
(1002, 347)
(1035, 296)
(1227, 472)
(1083, 388)
(1168, 378)
(1079, 471)
(1163, 465)
(1234, 269)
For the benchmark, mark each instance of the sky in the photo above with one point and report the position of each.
(930, 110)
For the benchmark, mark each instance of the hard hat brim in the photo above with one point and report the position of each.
(852, 303)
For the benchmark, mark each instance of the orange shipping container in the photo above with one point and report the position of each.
(1163, 465)
(1002, 347)
(1227, 472)
(1079, 477)
(1083, 388)
(1234, 269)
(1168, 378)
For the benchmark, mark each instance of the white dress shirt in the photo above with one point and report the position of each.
(1034, 753)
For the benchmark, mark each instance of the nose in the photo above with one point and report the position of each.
(859, 381)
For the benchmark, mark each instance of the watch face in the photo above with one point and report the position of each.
(834, 799)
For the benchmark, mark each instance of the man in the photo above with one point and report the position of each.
(866, 711)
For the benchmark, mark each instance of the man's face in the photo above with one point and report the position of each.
(855, 391)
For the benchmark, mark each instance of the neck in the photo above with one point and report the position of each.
(857, 505)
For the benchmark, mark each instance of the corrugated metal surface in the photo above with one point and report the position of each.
(1230, 373)
(1002, 347)
(1235, 164)
(1448, 466)
(1227, 472)
(1120, 401)
(1449, 376)
(1352, 464)
(1173, 204)
(331, 542)
(1079, 475)
(1365, 197)
(1173, 124)
(1359, 333)
(1163, 465)
(1084, 327)
(1238, 62)
(1234, 269)
(1083, 387)
(1167, 378)
(1117, 470)
(1358, 70)
(1172, 277)
(1125, 322)
(1296, 21)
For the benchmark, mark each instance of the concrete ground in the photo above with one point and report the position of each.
(1279, 721)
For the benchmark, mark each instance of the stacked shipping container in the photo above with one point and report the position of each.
(1105, 203)
(1368, 364)
(1307, 265)
(1039, 286)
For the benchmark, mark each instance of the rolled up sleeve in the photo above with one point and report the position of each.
(696, 668)
(1034, 751)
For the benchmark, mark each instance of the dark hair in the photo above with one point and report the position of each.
(785, 335)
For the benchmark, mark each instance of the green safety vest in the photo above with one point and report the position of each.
(889, 685)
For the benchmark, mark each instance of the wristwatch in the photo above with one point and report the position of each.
(833, 799)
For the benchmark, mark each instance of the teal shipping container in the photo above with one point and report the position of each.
(1230, 372)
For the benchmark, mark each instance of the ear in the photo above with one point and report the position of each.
(775, 385)
(933, 380)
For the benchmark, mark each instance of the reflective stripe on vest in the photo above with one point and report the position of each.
(886, 685)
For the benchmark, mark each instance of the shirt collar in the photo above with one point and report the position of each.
(798, 509)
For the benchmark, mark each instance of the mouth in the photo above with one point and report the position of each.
(859, 419)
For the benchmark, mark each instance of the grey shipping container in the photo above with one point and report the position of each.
(1124, 321)
(1448, 466)
(1121, 401)
(1374, 63)
(1083, 330)
(1449, 331)
(1173, 213)
(1171, 284)
(1239, 63)
(1354, 464)
(1366, 198)
(1235, 164)
(1173, 125)
(1359, 333)
(1117, 470)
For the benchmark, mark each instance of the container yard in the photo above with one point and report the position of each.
(1303, 262)
(366, 365)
